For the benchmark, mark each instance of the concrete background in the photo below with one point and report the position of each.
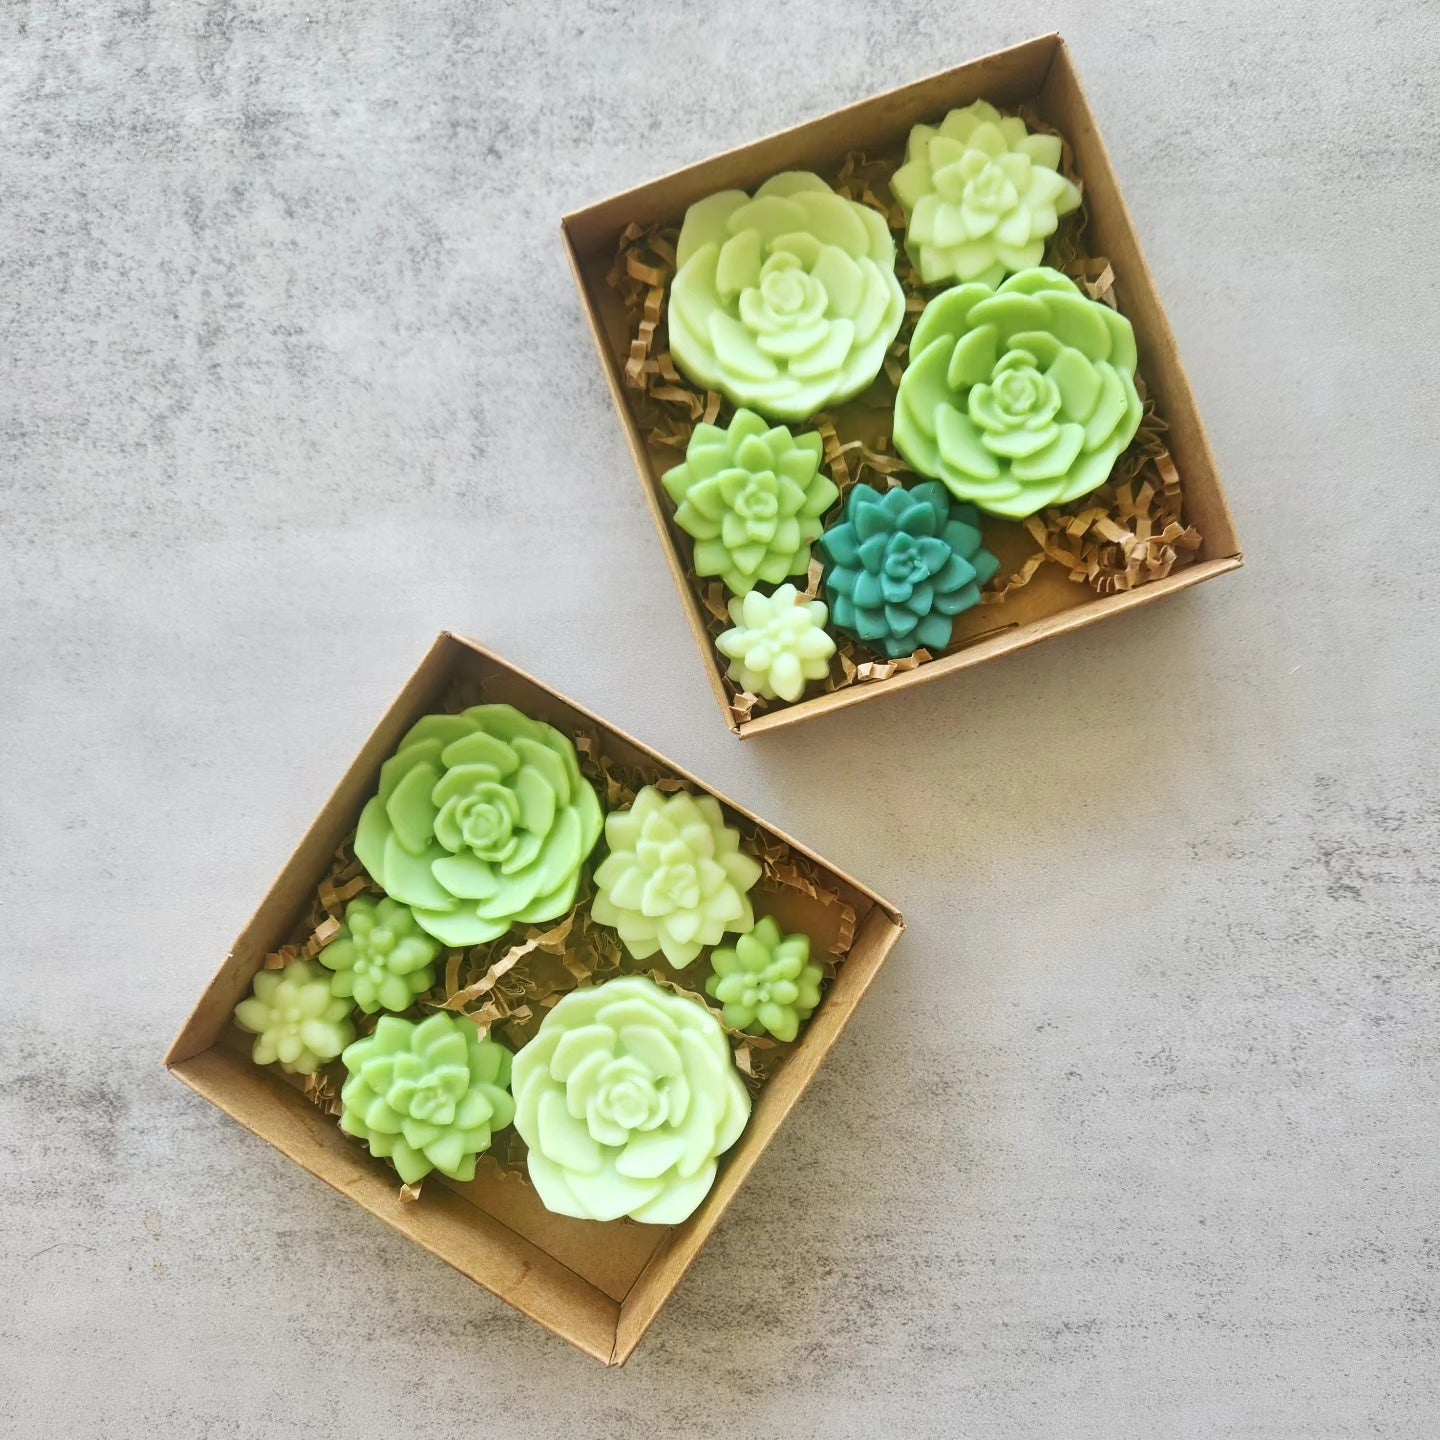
(292, 375)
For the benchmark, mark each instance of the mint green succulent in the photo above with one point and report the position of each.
(381, 957)
(752, 496)
(626, 1098)
(1020, 397)
(428, 1096)
(295, 1018)
(767, 982)
(785, 302)
(483, 821)
(777, 643)
(980, 195)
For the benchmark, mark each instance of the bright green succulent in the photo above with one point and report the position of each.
(752, 496)
(381, 957)
(626, 1098)
(903, 565)
(766, 982)
(483, 821)
(429, 1096)
(786, 302)
(980, 195)
(676, 878)
(1021, 397)
(295, 1018)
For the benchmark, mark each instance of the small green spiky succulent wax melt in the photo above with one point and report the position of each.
(381, 957)
(777, 643)
(295, 1018)
(766, 981)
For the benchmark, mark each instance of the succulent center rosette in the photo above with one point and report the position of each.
(980, 195)
(381, 957)
(785, 302)
(626, 1097)
(777, 643)
(675, 879)
(903, 565)
(295, 1018)
(1021, 397)
(752, 496)
(483, 821)
(766, 982)
(428, 1096)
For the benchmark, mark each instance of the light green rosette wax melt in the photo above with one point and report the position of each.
(777, 643)
(980, 195)
(626, 1097)
(381, 957)
(1020, 397)
(767, 982)
(786, 302)
(675, 879)
(753, 497)
(483, 821)
(428, 1096)
(295, 1018)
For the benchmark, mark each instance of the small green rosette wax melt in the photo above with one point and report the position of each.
(483, 821)
(381, 957)
(777, 643)
(766, 981)
(1020, 397)
(295, 1019)
(626, 1098)
(429, 1096)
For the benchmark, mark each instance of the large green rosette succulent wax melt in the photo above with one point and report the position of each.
(428, 1096)
(483, 821)
(980, 195)
(625, 1098)
(675, 879)
(752, 496)
(1020, 397)
(295, 1018)
(786, 302)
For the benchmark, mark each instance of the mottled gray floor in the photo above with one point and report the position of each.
(292, 375)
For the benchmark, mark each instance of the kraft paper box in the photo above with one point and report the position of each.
(598, 1286)
(1040, 74)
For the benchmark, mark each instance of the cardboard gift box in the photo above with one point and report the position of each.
(597, 1285)
(1038, 73)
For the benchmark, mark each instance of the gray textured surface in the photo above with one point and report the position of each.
(292, 375)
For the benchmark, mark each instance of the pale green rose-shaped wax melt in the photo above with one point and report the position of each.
(766, 982)
(428, 1096)
(295, 1018)
(675, 879)
(381, 957)
(483, 821)
(777, 643)
(1020, 397)
(980, 195)
(785, 302)
(626, 1098)
(752, 496)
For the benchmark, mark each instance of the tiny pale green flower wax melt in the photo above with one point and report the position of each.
(766, 982)
(777, 643)
(295, 1018)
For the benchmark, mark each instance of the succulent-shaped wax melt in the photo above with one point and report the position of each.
(483, 821)
(381, 957)
(980, 194)
(429, 1096)
(752, 496)
(786, 302)
(778, 643)
(1021, 397)
(903, 565)
(766, 982)
(295, 1018)
(625, 1098)
(675, 878)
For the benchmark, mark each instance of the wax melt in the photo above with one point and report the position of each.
(778, 643)
(786, 302)
(767, 981)
(428, 1096)
(903, 565)
(1021, 397)
(381, 957)
(980, 195)
(626, 1097)
(752, 496)
(483, 821)
(295, 1018)
(675, 879)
